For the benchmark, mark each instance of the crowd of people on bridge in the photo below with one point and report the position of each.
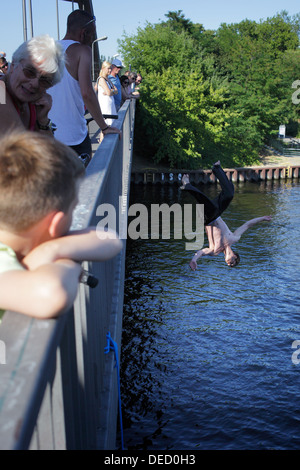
(113, 90)
(48, 86)
(45, 93)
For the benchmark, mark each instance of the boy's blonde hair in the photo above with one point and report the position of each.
(38, 175)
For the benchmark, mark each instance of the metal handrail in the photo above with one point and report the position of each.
(57, 388)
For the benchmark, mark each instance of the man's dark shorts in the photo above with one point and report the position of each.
(84, 147)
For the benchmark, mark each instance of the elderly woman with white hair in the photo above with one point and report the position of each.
(36, 66)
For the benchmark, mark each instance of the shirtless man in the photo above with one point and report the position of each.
(75, 93)
(219, 236)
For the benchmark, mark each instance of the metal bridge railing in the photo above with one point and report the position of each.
(58, 390)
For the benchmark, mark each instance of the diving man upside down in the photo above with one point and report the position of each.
(219, 236)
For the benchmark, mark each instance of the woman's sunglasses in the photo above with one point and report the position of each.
(31, 74)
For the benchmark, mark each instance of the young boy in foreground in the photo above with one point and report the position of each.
(39, 260)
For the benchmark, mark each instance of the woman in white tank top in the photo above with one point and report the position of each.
(106, 91)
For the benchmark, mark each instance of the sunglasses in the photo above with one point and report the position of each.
(31, 74)
(4, 66)
(89, 22)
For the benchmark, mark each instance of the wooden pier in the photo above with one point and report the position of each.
(236, 175)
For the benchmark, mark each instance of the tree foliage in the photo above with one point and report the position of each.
(213, 94)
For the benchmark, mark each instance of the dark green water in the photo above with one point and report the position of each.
(207, 355)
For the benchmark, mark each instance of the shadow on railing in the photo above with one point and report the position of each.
(58, 388)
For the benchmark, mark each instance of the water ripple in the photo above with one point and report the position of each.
(206, 355)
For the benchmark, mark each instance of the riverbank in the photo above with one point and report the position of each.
(271, 166)
(141, 164)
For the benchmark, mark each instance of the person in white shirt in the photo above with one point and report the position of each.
(106, 90)
(75, 93)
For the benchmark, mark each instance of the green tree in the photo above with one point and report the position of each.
(178, 22)
(183, 106)
(253, 56)
(213, 94)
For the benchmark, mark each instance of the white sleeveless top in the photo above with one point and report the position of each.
(68, 109)
(107, 103)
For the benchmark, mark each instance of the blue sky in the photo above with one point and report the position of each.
(127, 15)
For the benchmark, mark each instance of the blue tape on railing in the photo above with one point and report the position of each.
(112, 346)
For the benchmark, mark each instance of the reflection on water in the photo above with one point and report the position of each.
(207, 355)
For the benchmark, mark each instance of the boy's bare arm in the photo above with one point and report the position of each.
(49, 284)
(242, 229)
(200, 254)
(89, 244)
(42, 293)
(210, 236)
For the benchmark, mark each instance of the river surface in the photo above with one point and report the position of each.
(207, 357)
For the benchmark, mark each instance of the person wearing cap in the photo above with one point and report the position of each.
(75, 93)
(116, 66)
(3, 66)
